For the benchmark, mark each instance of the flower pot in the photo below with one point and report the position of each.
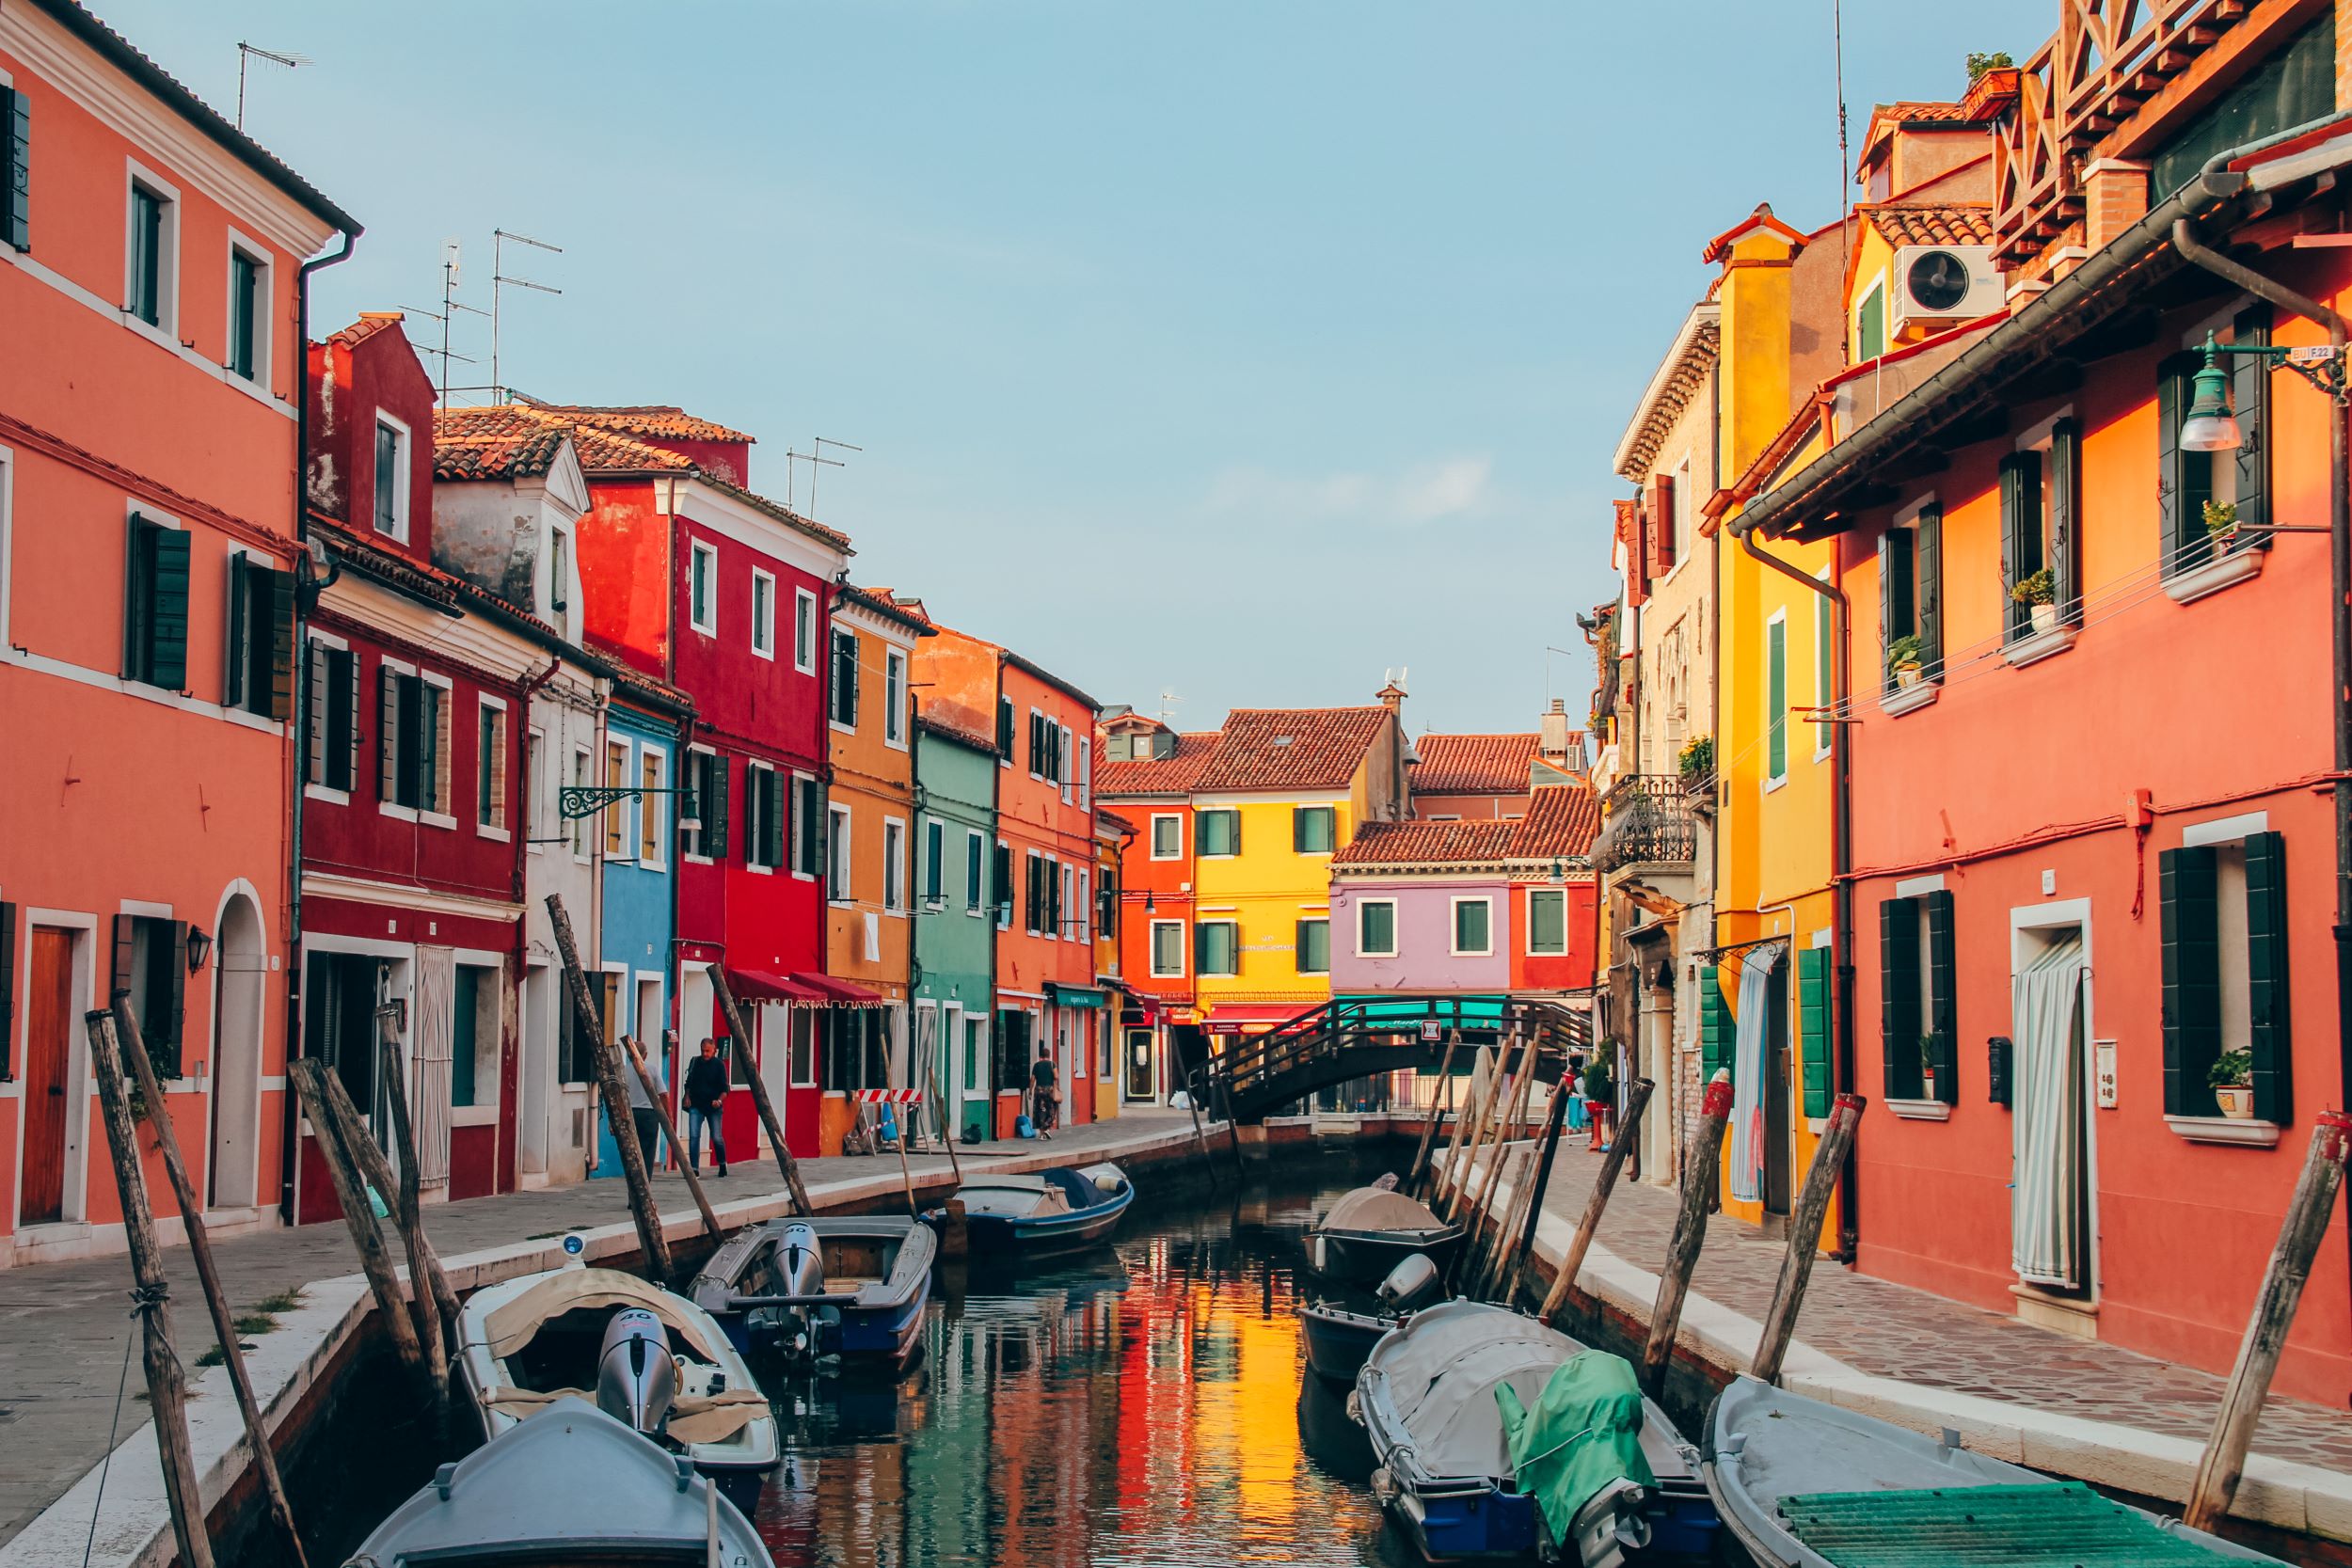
(1907, 675)
(2044, 617)
(2237, 1101)
(1927, 1085)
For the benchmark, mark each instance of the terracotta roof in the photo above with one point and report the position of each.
(1291, 748)
(1174, 775)
(1022, 662)
(1932, 223)
(1886, 118)
(878, 601)
(465, 450)
(368, 325)
(659, 421)
(1473, 764)
(777, 510)
(930, 717)
(1104, 814)
(1560, 824)
(1427, 844)
(600, 452)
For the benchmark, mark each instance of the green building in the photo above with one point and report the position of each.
(955, 928)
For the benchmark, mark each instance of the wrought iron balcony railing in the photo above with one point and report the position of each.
(1647, 820)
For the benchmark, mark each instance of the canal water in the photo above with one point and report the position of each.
(1139, 1403)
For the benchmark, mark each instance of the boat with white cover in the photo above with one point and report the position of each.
(1369, 1231)
(1043, 1212)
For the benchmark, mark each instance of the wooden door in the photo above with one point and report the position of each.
(48, 1069)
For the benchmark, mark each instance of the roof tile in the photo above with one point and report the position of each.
(1312, 748)
(1173, 775)
(1560, 824)
(659, 421)
(1427, 844)
(1932, 223)
(1474, 764)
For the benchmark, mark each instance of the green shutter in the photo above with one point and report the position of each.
(1926, 557)
(2272, 1043)
(2066, 545)
(1944, 994)
(2184, 478)
(2021, 534)
(7, 985)
(237, 652)
(1776, 700)
(1715, 1026)
(352, 736)
(1813, 1051)
(1899, 996)
(2192, 978)
(163, 1031)
(314, 699)
(169, 662)
(280, 595)
(1547, 922)
(16, 191)
(387, 707)
(1871, 326)
(2249, 386)
(753, 836)
(429, 700)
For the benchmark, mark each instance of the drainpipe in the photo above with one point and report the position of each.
(288, 1152)
(1841, 857)
(2184, 240)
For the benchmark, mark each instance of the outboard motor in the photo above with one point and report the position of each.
(1408, 1283)
(802, 1265)
(636, 1377)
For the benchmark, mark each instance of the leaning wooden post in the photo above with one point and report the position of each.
(1805, 1237)
(1522, 1189)
(2223, 1463)
(1458, 1181)
(1682, 1253)
(367, 1237)
(1636, 1098)
(641, 1204)
(1553, 1122)
(1429, 1130)
(1200, 1137)
(166, 1381)
(423, 1268)
(635, 1054)
(906, 1172)
(759, 1087)
(134, 1051)
(944, 1110)
(1509, 1223)
(1513, 1109)
(1473, 1095)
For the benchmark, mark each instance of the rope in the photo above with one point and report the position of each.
(143, 1301)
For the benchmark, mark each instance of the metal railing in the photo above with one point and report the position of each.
(1647, 820)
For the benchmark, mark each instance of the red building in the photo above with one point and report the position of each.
(1471, 778)
(1553, 922)
(1148, 771)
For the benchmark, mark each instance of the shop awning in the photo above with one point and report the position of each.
(1072, 996)
(1471, 1012)
(1230, 1018)
(836, 991)
(762, 985)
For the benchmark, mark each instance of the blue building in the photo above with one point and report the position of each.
(640, 753)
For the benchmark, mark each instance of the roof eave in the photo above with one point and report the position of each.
(1692, 341)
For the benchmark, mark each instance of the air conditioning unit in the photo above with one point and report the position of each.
(1939, 286)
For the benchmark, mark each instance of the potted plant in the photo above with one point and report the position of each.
(1904, 660)
(2037, 593)
(1931, 1052)
(2221, 523)
(2231, 1077)
(1697, 763)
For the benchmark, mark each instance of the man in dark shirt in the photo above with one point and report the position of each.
(1044, 1093)
(706, 1090)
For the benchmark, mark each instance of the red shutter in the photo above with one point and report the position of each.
(1637, 567)
(1661, 532)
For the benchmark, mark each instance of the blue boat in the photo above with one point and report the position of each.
(844, 1287)
(1008, 1218)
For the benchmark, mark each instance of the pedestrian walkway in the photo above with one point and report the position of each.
(65, 1328)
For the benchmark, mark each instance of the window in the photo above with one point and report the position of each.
(148, 283)
(1918, 997)
(838, 886)
(1825, 696)
(808, 853)
(1167, 949)
(473, 1037)
(413, 753)
(1547, 922)
(934, 872)
(540, 785)
(1776, 700)
(155, 606)
(576, 1052)
(391, 477)
(1086, 773)
(1910, 595)
(705, 806)
(857, 1048)
(1069, 908)
(151, 961)
(1061, 761)
(2225, 972)
(763, 817)
(1216, 832)
(895, 694)
(844, 712)
(702, 588)
(489, 783)
(1167, 836)
(1106, 904)
(1004, 732)
(652, 770)
(332, 749)
(258, 666)
(1313, 946)
(16, 169)
(763, 613)
(1869, 324)
(616, 811)
(1217, 948)
(580, 766)
(975, 1047)
(894, 866)
(2186, 481)
(1040, 890)
(1375, 929)
(804, 1063)
(804, 631)
(1016, 1031)
(1473, 925)
(974, 860)
(559, 581)
(1311, 829)
(2041, 499)
(1000, 874)
(248, 301)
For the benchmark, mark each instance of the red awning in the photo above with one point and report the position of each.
(1230, 1018)
(841, 994)
(764, 987)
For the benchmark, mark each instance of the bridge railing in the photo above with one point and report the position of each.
(1301, 1053)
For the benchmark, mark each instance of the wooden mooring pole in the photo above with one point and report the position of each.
(1514, 1114)
(1474, 1096)
(428, 1287)
(2223, 1464)
(784, 1162)
(1506, 1225)
(1682, 1254)
(1458, 1181)
(944, 1112)
(166, 1381)
(134, 1051)
(634, 1051)
(1199, 1137)
(1523, 1242)
(1636, 1099)
(1805, 1237)
(436, 1304)
(1429, 1130)
(641, 1207)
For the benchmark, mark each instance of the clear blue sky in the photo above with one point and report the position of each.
(1236, 350)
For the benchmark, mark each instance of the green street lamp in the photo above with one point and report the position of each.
(2212, 427)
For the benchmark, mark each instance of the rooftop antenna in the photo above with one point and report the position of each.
(249, 51)
(1169, 702)
(1845, 164)
(499, 281)
(812, 459)
(821, 443)
(451, 304)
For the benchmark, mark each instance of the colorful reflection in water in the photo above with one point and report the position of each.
(1141, 1403)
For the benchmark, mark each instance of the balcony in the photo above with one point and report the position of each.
(1648, 821)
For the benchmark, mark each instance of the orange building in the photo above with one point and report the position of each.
(1148, 771)
(151, 269)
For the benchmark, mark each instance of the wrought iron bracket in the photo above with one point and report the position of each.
(574, 802)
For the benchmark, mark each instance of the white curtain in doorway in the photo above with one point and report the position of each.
(2046, 1241)
(432, 1030)
(1747, 1070)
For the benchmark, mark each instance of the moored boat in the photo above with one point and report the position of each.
(1370, 1230)
(1009, 1217)
(1804, 1484)
(565, 1484)
(851, 1286)
(1337, 1338)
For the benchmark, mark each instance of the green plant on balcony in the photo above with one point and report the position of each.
(2232, 1080)
(1931, 1052)
(2037, 592)
(1696, 761)
(1905, 661)
(1979, 63)
(2221, 521)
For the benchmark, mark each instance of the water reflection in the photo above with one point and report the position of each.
(1141, 1405)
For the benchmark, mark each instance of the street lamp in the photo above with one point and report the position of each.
(2211, 426)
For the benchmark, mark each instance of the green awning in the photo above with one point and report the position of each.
(1073, 996)
(1471, 1012)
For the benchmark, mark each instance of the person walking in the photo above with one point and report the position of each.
(641, 1106)
(706, 1091)
(1044, 1093)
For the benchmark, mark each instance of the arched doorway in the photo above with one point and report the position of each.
(242, 968)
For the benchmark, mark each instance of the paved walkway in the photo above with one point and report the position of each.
(65, 1328)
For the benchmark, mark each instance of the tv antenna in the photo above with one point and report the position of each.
(498, 282)
(451, 304)
(249, 51)
(821, 443)
(812, 459)
(1169, 704)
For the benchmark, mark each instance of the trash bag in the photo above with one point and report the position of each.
(1584, 1434)
(1024, 1128)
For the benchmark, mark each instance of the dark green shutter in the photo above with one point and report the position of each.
(1298, 829)
(125, 947)
(2250, 387)
(1004, 728)
(2184, 478)
(2066, 544)
(1813, 1028)
(1715, 1026)
(1927, 565)
(1896, 606)
(1776, 700)
(280, 595)
(2272, 1043)
(1000, 880)
(2021, 534)
(167, 663)
(7, 985)
(2192, 978)
(387, 708)
(353, 739)
(1899, 995)
(16, 132)
(771, 833)
(315, 698)
(238, 653)
(163, 1034)
(1944, 994)
(753, 835)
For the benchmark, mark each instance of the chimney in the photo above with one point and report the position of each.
(1553, 734)
(1392, 695)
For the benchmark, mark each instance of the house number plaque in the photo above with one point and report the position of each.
(2103, 1071)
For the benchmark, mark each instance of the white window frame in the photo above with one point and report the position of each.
(763, 614)
(933, 857)
(894, 866)
(804, 621)
(894, 699)
(1082, 900)
(1234, 972)
(1364, 952)
(385, 804)
(791, 829)
(1184, 955)
(1234, 812)
(751, 792)
(563, 565)
(1003, 906)
(975, 873)
(1178, 818)
(621, 812)
(839, 823)
(263, 317)
(1064, 763)
(1037, 763)
(502, 830)
(311, 636)
(665, 823)
(698, 551)
(166, 329)
(403, 504)
(702, 808)
(585, 830)
(535, 783)
(1533, 951)
(1303, 917)
(1453, 926)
